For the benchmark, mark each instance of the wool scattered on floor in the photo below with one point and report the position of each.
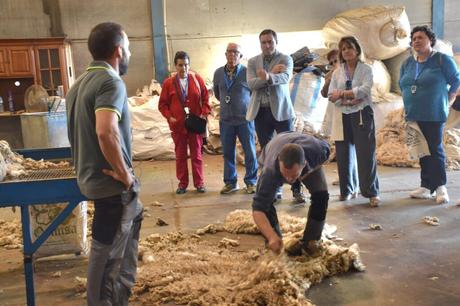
(431, 220)
(10, 234)
(216, 269)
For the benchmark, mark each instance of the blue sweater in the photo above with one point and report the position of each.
(430, 101)
(234, 111)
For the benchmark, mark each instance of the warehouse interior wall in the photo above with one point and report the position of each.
(200, 27)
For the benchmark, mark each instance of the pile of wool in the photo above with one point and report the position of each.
(13, 165)
(452, 148)
(217, 269)
(391, 142)
(392, 149)
(10, 234)
(240, 222)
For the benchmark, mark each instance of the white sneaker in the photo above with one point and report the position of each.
(441, 195)
(421, 193)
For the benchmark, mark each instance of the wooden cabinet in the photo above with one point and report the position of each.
(48, 61)
(3, 62)
(16, 62)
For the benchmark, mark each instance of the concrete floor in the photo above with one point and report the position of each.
(408, 262)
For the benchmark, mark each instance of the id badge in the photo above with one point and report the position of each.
(413, 89)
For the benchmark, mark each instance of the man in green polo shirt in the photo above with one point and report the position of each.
(100, 137)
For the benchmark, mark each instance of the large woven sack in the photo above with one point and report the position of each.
(151, 134)
(68, 238)
(35, 99)
(305, 90)
(383, 31)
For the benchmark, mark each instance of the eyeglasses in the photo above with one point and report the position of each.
(333, 62)
(348, 85)
(233, 51)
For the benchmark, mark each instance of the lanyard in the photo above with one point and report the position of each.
(184, 90)
(347, 72)
(418, 70)
(228, 82)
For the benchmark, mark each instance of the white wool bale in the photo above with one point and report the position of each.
(151, 134)
(394, 68)
(382, 80)
(383, 31)
(444, 46)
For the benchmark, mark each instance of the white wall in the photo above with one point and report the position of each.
(200, 27)
(26, 19)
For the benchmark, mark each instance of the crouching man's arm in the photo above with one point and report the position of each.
(262, 207)
(274, 241)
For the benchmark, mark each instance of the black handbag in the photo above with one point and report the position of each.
(193, 123)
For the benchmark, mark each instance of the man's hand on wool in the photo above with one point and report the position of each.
(275, 244)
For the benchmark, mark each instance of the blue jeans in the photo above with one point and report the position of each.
(433, 167)
(245, 133)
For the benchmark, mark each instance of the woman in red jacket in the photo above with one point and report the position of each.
(185, 91)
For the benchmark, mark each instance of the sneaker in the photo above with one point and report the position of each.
(201, 189)
(250, 189)
(229, 188)
(181, 190)
(374, 201)
(348, 197)
(441, 195)
(298, 197)
(421, 193)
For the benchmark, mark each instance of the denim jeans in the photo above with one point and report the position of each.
(245, 133)
(433, 167)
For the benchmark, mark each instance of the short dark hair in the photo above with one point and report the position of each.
(350, 41)
(292, 154)
(181, 55)
(425, 29)
(332, 53)
(269, 32)
(103, 40)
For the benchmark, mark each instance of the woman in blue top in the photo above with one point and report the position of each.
(353, 128)
(424, 81)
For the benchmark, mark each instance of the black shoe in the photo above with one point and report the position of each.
(201, 189)
(181, 190)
